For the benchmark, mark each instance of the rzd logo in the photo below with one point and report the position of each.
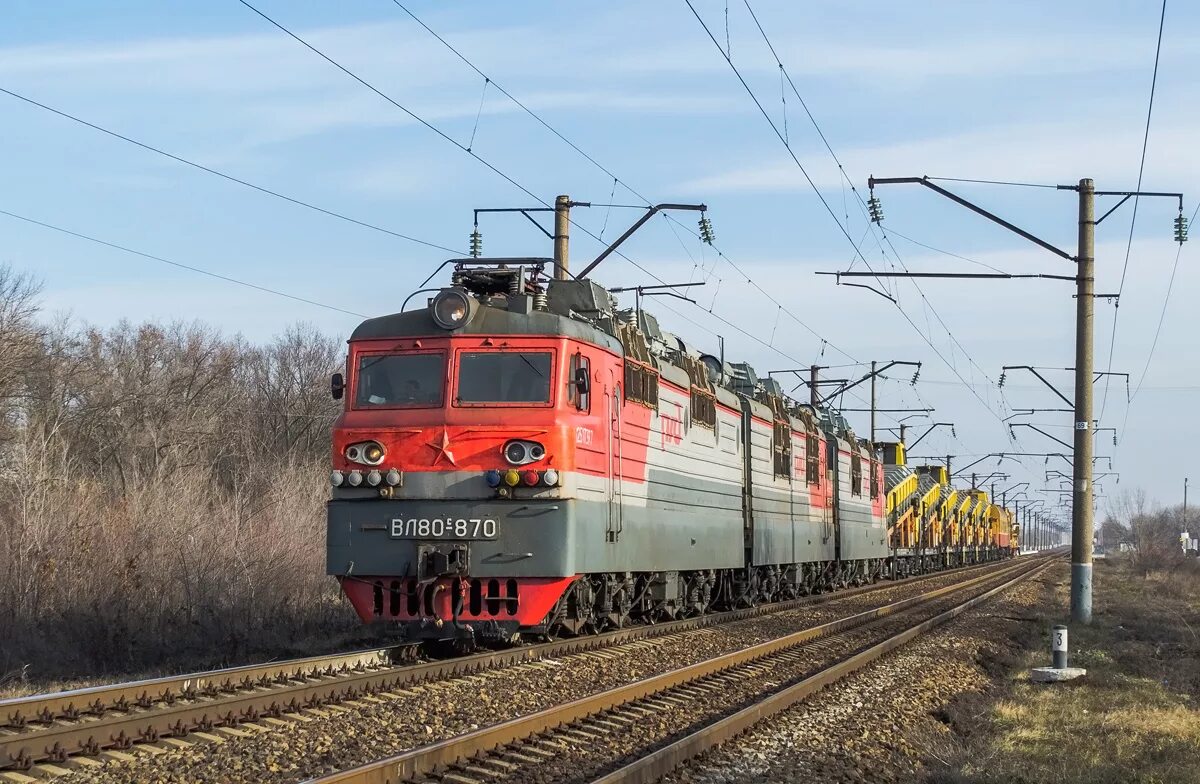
(672, 427)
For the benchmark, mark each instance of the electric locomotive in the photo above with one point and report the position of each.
(523, 457)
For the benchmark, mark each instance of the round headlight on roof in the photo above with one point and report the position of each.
(451, 308)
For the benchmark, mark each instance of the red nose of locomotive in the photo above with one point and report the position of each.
(453, 468)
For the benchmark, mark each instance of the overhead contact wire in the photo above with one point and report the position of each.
(825, 202)
(1112, 344)
(601, 167)
(180, 265)
(223, 175)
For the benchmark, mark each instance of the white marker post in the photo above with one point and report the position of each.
(1058, 647)
(1059, 671)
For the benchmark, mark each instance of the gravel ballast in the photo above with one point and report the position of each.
(366, 730)
(887, 722)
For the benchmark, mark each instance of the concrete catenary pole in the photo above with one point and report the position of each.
(1081, 508)
(813, 397)
(562, 233)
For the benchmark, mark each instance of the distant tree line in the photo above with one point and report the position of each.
(161, 492)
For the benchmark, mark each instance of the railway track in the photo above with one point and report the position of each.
(41, 732)
(643, 730)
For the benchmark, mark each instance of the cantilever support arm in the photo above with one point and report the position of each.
(1039, 430)
(873, 181)
(931, 428)
(1041, 378)
(867, 377)
(650, 213)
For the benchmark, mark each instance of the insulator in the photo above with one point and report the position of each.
(1181, 228)
(916, 376)
(875, 208)
(539, 301)
(952, 432)
(706, 230)
(514, 285)
(476, 243)
(1003, 376)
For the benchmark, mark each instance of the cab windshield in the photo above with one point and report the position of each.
(504, 377)
(401, 380)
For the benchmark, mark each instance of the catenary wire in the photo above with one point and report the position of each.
(616, 179)
(1158, 330)
(863, 208)
(180, 265)
(446, 137)
(892, 231)
(223, 175)
(995, 182)
(829, 209)
(1112, 343)
(545, 124)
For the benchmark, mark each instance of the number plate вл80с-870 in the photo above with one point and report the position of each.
(444, 528)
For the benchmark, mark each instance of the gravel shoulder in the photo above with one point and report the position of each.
(892, 721)
(1135, 716)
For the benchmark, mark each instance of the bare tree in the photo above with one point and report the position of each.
(161, 492)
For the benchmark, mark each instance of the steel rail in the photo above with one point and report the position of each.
(17, 712)
(664, 760)
(54, 727)
(456, 750)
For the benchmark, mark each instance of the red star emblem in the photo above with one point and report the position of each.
(442, 448)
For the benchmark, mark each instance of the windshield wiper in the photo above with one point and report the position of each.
(525, 359)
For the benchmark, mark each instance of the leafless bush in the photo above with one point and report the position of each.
(1153, 532)
(161, 493)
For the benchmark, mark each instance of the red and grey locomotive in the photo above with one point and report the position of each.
(523, 457)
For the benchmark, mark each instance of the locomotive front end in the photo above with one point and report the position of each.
(454, 461)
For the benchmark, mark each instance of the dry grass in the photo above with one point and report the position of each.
(1135, 717)
(162, 495)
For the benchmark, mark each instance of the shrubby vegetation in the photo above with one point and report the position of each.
(1152, 531)
(161, 493)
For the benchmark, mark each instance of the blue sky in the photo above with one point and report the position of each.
(1025, 91)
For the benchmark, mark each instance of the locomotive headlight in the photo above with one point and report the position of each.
(550, 477)
(368, 452)
(451, 308)
(336, 478)
(512, 477)
(374, 478)
(354, 478)
(392, 477)
(518, 452)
